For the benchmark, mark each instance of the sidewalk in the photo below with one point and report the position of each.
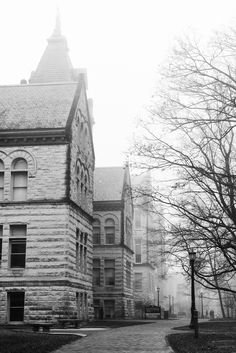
(131, 339)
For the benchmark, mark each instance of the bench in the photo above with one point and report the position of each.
(74, 322)
(45, 326)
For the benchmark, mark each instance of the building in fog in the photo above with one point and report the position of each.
(149, 261)
(112, 242)
(46, 192)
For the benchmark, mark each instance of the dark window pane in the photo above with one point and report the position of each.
(18, 260)
(16, 314)
(18, 248)
(16, 301)
(109, 308)
(110, 277)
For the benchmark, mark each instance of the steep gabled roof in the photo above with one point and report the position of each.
(36, 106)
(109, 183)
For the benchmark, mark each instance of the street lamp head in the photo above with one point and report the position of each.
(158, 289)
(192, 255)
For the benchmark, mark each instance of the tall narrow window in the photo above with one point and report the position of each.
(138, 281)
(109, 308)
(81, 251)
(82, 182)
(96, 272)
(16, 302)
(137, 217)
(128, 274)
(138, 248)
(110, 231)
(96, 232)
(82, 305)
(19, 175)
(1, 228)
(86, 183)
(78, 179)
(17, 246)
(1, 180)
(109, 272)
(128, 233)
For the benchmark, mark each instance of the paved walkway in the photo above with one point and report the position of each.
(141, 338)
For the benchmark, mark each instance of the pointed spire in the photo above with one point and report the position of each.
(55, 64)
(57, 29)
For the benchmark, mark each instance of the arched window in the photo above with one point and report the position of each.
(110, 231)
(85, 137)
(19, 179)
(82, 181)
(96, 232)
(86, 183)
(78, 178)
(1, 180)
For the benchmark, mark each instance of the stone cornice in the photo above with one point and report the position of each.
(106, 246)
(33, 137)
(14, 283)
(64, 201)
(144, 264)
(116, 205)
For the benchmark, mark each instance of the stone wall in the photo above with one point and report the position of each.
(120, 292)
(47, 170)
(50, 269)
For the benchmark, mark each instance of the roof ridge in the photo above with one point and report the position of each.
(42, 84)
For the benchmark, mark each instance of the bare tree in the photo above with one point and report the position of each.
(189, 138)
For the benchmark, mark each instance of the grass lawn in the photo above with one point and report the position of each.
(214, 337)
(29, 342)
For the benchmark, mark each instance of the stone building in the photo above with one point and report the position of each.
(148, 243)
(112, 241)
(46, 192)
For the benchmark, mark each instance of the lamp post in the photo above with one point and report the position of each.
(158, 298)
(192, 258)
(201, 297)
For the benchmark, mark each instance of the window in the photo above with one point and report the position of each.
(96, 272)
(86, 184)
(128, 274)
(16, 306)
(138, 281)
(78, 178)
(137, 216)
(82, 182)
(109, 272)
(96, 232)
(1, 180)
(110, 231)
(138, 255)
(17, 246)
(109, 308)
(128, 233)
(82, 305)
(81, 251)
(129, 307)
(1, 227)
(19, 175)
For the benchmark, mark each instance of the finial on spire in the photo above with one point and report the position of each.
(57, 29)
